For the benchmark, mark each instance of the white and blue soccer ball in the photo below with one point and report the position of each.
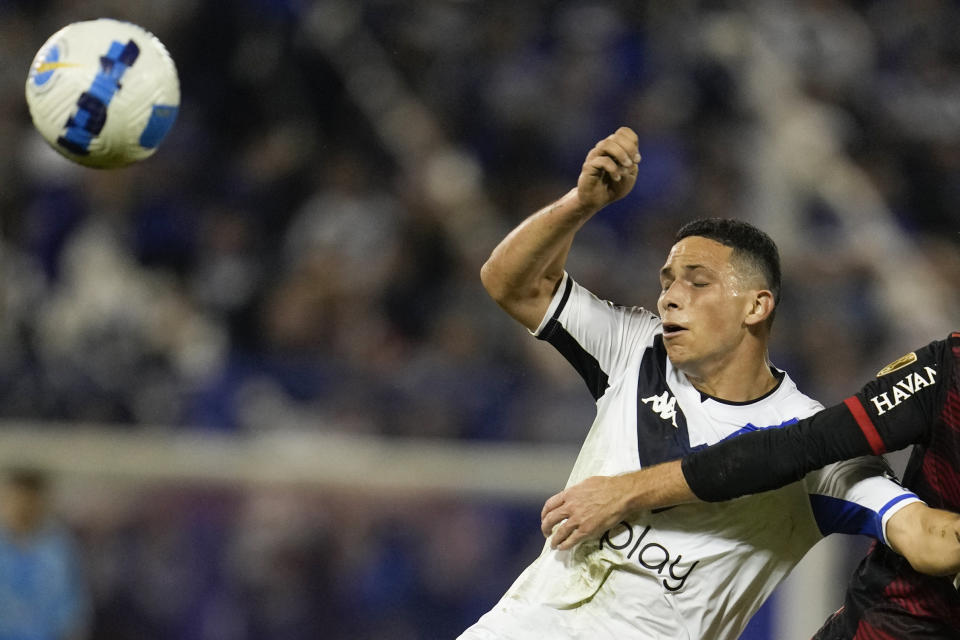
(103, 93)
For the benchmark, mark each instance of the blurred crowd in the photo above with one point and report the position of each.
(292, 257)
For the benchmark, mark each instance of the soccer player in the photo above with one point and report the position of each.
(663, 385)
(914, 400)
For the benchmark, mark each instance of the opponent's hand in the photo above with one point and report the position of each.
(586, 510)
(610, 170)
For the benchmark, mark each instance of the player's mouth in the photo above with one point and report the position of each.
(672, 330)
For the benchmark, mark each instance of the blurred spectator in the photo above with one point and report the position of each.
(272, 258)
(43, 595)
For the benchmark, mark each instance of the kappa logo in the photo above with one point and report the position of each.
(665, 405)
(903, 389)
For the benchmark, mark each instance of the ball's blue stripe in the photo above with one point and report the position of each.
(92, 105)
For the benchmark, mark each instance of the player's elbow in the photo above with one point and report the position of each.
(493, 281)
(525, 300)
(508, 290)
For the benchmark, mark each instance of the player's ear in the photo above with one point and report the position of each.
(761, 306)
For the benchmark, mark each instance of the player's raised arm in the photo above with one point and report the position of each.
(524, 270)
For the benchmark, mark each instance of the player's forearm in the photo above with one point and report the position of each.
(589, 508)
(524, 269)
(659, 486)
(928, 538)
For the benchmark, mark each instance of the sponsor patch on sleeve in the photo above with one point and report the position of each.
(899, 363)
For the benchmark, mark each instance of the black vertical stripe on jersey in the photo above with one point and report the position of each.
(583, 362)
(657, 439)
(563, 300)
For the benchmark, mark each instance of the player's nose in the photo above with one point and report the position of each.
(669, 298)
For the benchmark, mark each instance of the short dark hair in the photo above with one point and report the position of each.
(749, 244)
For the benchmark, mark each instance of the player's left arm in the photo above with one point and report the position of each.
(928, 538)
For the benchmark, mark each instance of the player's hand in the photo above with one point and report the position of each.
(584, 511)
(610, 170)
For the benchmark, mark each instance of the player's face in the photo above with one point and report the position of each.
(21, 509)
(702, 304)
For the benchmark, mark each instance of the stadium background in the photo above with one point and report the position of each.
(275, 399)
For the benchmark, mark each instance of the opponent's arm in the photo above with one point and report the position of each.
(890, 412)
(524, 270)
(772, 458)
(928, 538)
(750, 463)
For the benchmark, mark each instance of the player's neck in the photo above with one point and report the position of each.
(736, 379)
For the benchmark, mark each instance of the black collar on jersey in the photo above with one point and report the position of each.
(779, 375)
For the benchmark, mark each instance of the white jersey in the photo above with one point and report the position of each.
(696, 571)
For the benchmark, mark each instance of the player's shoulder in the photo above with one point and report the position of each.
(570, 288)
(793, 401)
(592, 306)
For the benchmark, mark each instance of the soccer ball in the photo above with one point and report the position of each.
(103, 93)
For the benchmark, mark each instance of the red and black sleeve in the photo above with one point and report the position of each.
(894, 410)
